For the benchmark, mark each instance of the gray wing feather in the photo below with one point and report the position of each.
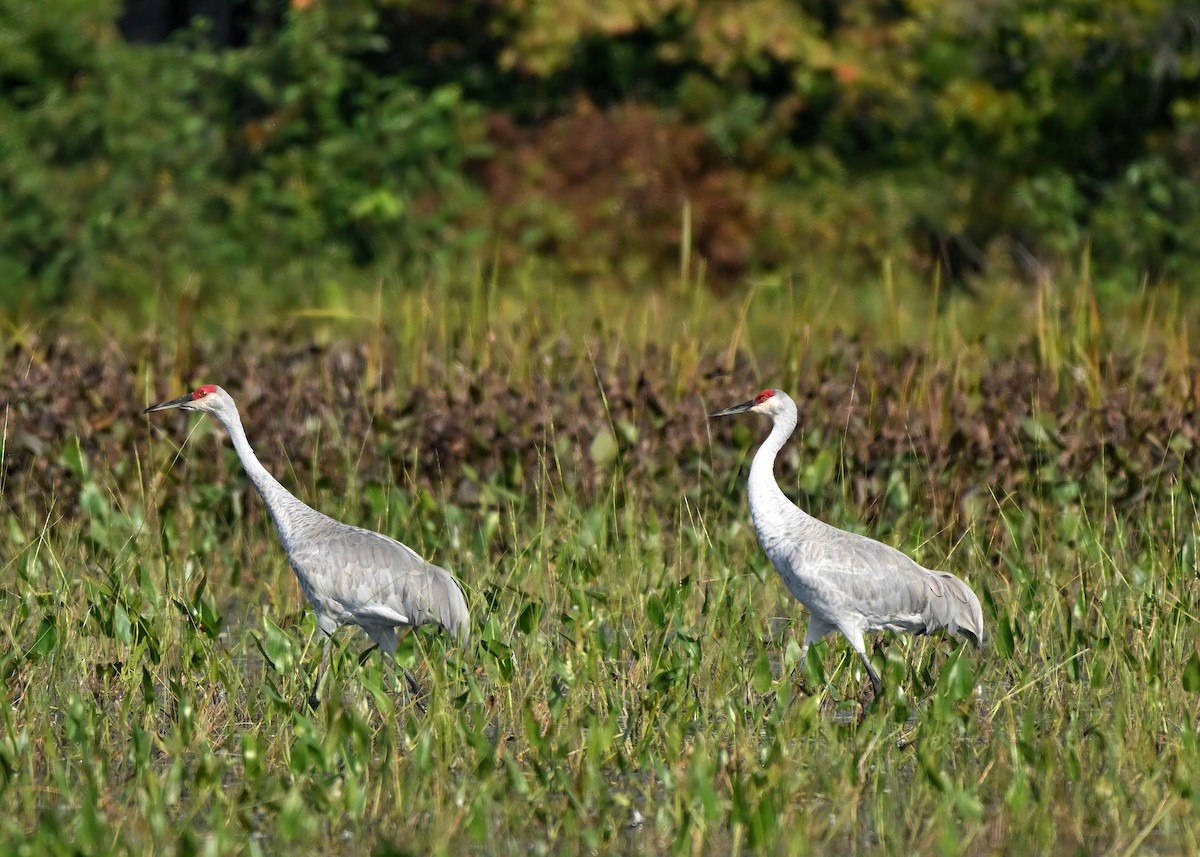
(895, 592)
(374, 580)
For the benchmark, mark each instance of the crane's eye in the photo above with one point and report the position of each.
(763, 396)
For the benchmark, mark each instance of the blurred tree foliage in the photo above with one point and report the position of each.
(368, 130)
(1043, 122)
(126, 167)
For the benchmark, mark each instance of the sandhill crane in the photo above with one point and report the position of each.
(351, 576)
(849, 583)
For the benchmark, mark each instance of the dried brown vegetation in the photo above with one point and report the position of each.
(1003, 427)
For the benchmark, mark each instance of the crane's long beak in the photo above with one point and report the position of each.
(734, 409)
(174, 403)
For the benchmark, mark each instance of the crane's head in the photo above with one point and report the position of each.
(209, 398)
(769, 402)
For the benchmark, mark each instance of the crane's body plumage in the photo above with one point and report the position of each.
(353, 576)
(849, 582)
(350, 575)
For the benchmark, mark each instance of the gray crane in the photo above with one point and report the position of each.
(351, 576)
(849, 583)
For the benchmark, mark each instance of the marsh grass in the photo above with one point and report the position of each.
(634, 682)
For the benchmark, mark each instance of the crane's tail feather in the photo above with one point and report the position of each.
(954, 606)
(454, 615)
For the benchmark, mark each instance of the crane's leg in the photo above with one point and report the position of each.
(856, 640)
(876, 681)
(417, 696)
(314, 695)
(817, 629)
(816, 632)
(386, 638)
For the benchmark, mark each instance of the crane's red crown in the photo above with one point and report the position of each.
(201, 392)
(763, 396)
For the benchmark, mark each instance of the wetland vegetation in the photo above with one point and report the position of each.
(475, 274)
(633, 683)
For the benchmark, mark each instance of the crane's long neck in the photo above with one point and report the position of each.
(278, 499)
(766, 498)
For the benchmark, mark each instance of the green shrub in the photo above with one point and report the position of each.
(127, 167)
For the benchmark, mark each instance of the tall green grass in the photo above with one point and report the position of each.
(634, 683)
